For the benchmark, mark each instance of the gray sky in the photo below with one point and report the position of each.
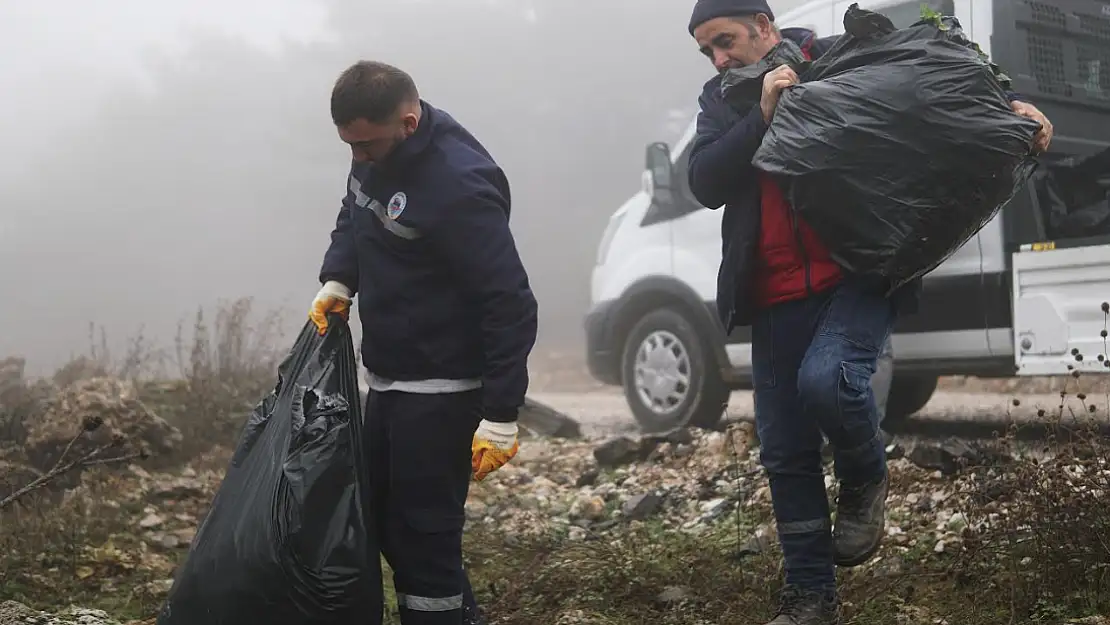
(44, 44)
(160, 156)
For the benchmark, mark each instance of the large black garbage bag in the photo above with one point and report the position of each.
(287, 539)
(1074, 196)
(898, 145)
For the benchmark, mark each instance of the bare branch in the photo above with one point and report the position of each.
(61, 467)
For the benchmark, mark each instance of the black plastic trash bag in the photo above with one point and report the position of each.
(743, 86)
(1074, 196)
(898, 145)
(287, 539)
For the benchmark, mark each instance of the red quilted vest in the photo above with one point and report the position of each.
(791, 262)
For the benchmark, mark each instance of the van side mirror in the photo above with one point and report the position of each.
(660, 185)
(659, 167)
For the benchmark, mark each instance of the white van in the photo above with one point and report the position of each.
(1016, 298)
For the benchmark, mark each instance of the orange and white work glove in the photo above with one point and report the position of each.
(334, 297)
(494, 445)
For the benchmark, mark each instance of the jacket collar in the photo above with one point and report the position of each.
(801, 36)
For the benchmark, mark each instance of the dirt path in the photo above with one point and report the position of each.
(604, 412)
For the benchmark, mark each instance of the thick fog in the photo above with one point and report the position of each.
(160, 156)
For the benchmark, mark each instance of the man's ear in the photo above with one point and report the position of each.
(409, 122)
(763, 25)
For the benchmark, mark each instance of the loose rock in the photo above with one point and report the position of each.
(641, 506)
(947, 457)
(616, 452)
(111, 415)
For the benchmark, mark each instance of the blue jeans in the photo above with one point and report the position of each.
(812, 361)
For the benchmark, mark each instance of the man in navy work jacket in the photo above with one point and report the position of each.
(816, 331)
(448, 320)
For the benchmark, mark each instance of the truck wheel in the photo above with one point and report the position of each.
(908, 394)
(670, 376)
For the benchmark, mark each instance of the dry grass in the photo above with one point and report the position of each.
(83, 544)
(224, 367)
(1039, 531)
(83, 550)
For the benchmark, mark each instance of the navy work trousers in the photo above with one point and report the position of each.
(420, 449)
(812, 361)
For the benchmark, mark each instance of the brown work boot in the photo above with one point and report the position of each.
(860, 522)
(806, 607)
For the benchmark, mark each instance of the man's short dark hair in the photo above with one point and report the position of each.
(372, 91)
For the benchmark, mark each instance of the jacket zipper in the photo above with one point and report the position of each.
(801, 249)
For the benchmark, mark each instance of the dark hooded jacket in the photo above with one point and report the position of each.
(423, 239)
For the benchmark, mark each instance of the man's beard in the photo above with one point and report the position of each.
(398, 139)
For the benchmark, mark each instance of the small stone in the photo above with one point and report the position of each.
(888, 567)
(714, 509)
(716, 444)
(160, 586)
(948, 457)
(589, 478)
(623, 450)
(760, 542)
(762, 494)
(673, 594)
(939, 547)
(641, 506)
(957, 522)
(151, 521)
(591, 508)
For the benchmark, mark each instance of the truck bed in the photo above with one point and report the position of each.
(1058, 54)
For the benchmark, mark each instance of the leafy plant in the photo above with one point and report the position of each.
(945, 23)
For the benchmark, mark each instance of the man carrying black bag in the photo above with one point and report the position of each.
(448, 321)
(816, 330)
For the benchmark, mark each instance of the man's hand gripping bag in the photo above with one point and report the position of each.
(288, 539)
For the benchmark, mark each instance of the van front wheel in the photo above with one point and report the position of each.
(669, 375)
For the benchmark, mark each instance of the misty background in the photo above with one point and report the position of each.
(157, 157)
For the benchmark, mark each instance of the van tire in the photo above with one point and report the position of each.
(908, 394)
(676, 347)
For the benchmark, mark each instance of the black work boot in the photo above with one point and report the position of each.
(806, 607)
(860, 522)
